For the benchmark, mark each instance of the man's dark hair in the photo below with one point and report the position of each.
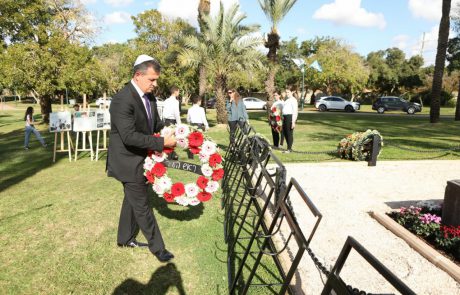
(196, 99)
(173, 89)
(142, 67)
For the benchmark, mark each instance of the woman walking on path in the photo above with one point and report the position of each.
(236, 112)
(290, 112)
(29, 118)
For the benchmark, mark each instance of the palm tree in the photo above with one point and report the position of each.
(204, 8)
(275, 10)
(443, 37)
(225, 46)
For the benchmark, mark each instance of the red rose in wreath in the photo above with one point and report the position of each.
(158, 170)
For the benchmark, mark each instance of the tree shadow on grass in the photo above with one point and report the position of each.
(173, 210)
(162, 280)
(18, 164)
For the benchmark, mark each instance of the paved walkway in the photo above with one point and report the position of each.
(345, 192)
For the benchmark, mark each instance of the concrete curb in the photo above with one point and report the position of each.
(420, 246)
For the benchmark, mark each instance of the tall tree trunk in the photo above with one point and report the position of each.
(457, 107)
(204, 7)
(270, 84)
(202, 86)
(221, 85)
(45, 108)
(443, 38)
(273, 44)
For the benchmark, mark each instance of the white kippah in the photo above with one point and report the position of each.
(142, 58)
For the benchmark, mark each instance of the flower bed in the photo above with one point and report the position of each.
(424, 220)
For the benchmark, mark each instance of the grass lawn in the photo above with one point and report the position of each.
(58, 222)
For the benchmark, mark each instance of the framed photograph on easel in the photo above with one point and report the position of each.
(84, 121)
(60, 121)
(103, 119)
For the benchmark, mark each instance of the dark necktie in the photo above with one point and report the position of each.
(149, 111)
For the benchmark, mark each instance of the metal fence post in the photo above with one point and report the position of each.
(375, 151)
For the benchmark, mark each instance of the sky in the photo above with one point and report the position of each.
(366, 25)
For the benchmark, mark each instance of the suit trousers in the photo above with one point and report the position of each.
(136, 214)
(288, 131)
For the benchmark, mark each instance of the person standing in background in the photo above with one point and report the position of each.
(171, 111)
(236, 112)
(290, 113)
(196, 115)
(171, 114)
(274, 119)
(29, 118)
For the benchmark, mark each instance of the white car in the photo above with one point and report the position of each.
(100, 101)
(327, 103)
(254, 103)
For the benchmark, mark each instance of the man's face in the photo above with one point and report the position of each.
(148, 81)
(288, 93)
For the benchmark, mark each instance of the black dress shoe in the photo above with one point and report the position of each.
(164, 255)
(134, 244)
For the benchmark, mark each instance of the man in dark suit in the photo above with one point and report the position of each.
(134, 118)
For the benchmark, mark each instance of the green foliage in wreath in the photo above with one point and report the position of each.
(358, 146)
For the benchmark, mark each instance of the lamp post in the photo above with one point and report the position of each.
(301, 64)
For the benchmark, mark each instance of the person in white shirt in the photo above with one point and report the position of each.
(171, 112)
(196, 115)
(290, 113)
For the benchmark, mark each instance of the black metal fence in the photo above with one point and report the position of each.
(261, 229)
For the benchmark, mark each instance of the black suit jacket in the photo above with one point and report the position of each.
(130, 135)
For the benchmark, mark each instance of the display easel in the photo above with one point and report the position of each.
(62, 145)
(84, 134)
(102, 106)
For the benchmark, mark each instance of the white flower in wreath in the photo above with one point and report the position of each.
(203, 158)
(212, 186)
(193, 201)
(206, 170)
(182, 142)
(148, 163)
(166, 131)
(184, 201)
(165, 182)
(158, 188)
(191, 190)
(159, 158)
(208, 148)
(182, 131)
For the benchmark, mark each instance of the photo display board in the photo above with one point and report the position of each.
(84, 121)
(103, 119)
(60, 121)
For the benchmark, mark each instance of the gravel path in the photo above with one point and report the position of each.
(345, 192)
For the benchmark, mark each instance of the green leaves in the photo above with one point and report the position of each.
(275, 10)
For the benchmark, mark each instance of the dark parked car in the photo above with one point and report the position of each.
(393, 103)
(211, 103)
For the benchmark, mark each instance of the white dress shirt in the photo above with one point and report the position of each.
(141, 94)
(290, 108)
(171, 109)
(196, 115)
